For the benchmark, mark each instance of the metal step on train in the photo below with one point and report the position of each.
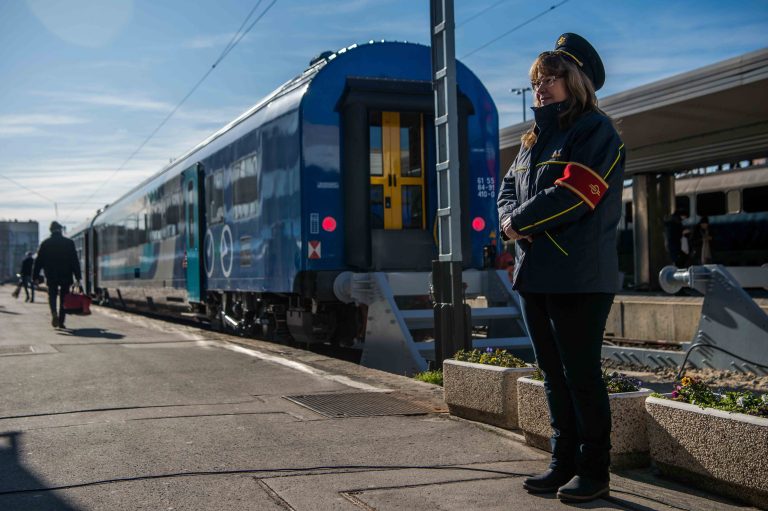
(399, 319)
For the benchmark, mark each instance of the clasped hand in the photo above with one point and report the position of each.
(512, 234)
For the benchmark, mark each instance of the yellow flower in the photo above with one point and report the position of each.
(686, 381)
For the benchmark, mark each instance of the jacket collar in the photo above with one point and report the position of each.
(547, 116)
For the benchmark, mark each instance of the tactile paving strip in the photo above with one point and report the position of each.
(357, 404)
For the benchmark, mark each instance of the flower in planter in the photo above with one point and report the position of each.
(694, 391)
(501, 358)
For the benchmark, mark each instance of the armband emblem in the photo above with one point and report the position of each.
(584, 182)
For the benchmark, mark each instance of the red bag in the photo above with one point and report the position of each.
(77, 303)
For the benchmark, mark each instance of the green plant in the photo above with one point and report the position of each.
(617, 382)
(434, 377)
(501, 358)
(614, 382)
(696, 392)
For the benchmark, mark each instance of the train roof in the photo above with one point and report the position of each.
(285, 98)
(717, 181)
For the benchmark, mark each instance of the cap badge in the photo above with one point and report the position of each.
(561, 40)
(556, 154)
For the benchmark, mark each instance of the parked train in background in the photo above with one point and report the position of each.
(334, 171)
(736, 203)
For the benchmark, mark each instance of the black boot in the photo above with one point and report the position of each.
(548, 482)
(583, 489)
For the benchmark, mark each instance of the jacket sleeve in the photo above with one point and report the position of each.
(39, 261)
(507, 201)
(596, 161)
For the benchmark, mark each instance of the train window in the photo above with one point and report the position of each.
(214, 196)
(410, 145)
(245, 187)
(710, 204)
(627, 213)
(733, 198)
(376, 153)
(189, 220)
(755, 199)
(412, 207)
(377, 206)
(683, 204)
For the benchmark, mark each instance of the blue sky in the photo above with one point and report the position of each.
(84, 82)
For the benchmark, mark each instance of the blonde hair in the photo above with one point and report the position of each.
(581, 92)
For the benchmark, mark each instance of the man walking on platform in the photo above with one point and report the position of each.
(27, 277)
(58, 258)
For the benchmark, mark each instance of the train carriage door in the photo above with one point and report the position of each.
(193, 223)
(397, 170)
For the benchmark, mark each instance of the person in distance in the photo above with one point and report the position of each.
(57, 257)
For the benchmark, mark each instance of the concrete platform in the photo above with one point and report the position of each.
(123, 412)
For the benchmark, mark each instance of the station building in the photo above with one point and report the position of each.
(16, 239)
(710, 120)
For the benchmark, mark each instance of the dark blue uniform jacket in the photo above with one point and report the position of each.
(565, 192)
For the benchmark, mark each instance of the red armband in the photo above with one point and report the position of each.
(584, 182)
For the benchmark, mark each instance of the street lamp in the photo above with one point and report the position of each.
(521, 91)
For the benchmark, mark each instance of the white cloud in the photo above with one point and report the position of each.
(118, 100)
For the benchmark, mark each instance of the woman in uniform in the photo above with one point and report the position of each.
(561, 202)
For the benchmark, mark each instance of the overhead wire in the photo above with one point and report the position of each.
(478, 14)
(521, 25)
(230, 46)
(30, 190)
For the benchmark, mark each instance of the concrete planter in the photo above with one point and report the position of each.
(482, 392)
(716, 450)
(629, 440)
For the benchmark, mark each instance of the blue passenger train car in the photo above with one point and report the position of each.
(334, 171)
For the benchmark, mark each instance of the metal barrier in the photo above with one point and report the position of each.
(732, 332)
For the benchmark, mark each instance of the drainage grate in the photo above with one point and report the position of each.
(357, 404)
(15, 350)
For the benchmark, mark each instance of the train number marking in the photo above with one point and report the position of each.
(226, 251)
(208, 253)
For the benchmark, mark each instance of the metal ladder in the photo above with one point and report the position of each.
(389, 343)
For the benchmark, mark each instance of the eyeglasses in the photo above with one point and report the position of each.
(546, 82)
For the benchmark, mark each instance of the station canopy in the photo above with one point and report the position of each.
(711, 115)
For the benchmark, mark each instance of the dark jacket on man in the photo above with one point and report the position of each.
(26, 267)
(572, 221)
(57, 256)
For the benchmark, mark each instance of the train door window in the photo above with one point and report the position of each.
(683, 204)
(190, 220)
(755, 199)
(710, 204)
(733, 198)
(397, 170)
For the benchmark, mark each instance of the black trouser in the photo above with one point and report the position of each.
(567, 335)
(56, 290)
(28, 285)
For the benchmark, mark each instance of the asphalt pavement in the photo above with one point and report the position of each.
(124, 412)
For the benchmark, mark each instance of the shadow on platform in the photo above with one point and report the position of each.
(3, 311)
(20, 489)
(94, 333)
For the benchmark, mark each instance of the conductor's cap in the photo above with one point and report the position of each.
(584, 55)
